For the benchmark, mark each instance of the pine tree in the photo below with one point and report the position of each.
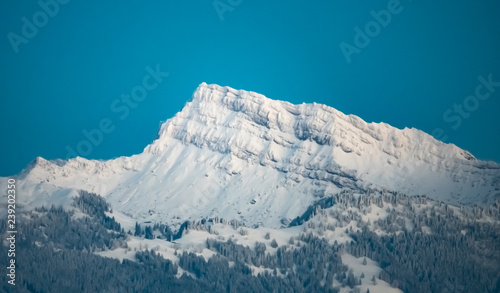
(149, 233)
(138, 231)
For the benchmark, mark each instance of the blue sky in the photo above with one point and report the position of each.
(65, 66)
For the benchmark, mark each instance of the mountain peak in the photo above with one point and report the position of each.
(227, 96)
(314, 138)
(228, 148)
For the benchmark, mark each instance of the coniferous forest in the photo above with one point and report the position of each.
(57, 250)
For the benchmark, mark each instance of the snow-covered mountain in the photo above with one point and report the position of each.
(239, 155)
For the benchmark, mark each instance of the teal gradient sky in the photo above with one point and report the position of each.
(65, 78)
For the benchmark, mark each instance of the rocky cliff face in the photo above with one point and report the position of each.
(318, 142)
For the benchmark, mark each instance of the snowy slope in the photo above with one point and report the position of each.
(239, 155)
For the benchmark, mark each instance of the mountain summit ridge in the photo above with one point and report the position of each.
(237, 154)
(269, 113)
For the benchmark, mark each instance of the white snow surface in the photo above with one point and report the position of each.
(371, 269)
(236, 154)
